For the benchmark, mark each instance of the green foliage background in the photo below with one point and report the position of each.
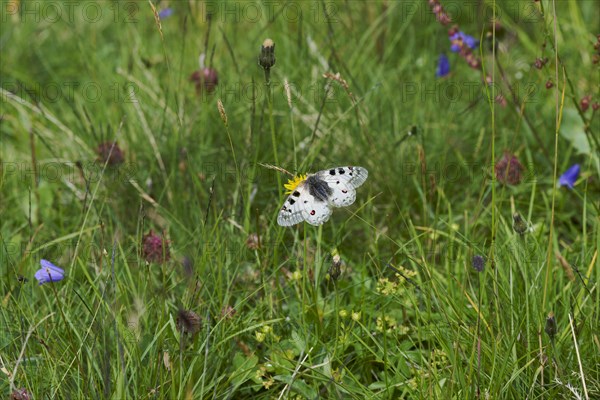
(74, 76)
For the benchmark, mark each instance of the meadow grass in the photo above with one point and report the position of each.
(382, 301)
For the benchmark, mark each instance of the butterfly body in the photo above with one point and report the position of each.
(312, 198)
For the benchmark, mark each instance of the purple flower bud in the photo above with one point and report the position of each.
(155, 248)
(443, 67)
(478, 263)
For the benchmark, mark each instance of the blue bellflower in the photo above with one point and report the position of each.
(166, 13)
(49, 273)
(467, 40)
(569, 177)
(443, 67)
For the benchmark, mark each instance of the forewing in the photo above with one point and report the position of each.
(343, 181)
(291, 212)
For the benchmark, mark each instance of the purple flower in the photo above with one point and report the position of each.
(166, 13)
(443, 67)
(478, 263)
(569, 177)
(458, 37)
(49, 273)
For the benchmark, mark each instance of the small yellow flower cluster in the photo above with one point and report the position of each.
(387, 287)
(262, 375)
(355, 315)
(412, 383)
(439, 359)
(388, 324)
(264, 332)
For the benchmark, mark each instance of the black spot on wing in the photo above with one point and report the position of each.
(332, 172)
(341, 171)
(296, 194)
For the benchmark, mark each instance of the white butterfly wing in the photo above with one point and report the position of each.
(316, 212)
(291, 211)
(343, 181)
(302, 206)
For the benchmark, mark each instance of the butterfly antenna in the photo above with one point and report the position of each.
(269, 166)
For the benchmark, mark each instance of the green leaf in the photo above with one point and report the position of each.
(572, 130)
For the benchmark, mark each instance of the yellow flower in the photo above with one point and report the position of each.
(268, 383)
(412, 383)
(386, 324)
(260, 337)
(355, 316)
(343, 313)
(386, 287)
(293, 183)
(267, 329)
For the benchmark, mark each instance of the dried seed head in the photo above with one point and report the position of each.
(508, 169)
(551, 327)
(228, 312)
(188, 322)
(20, 394)
(519, 224)
(585, 102)
(540, 62)
(335, 269)
(266, 59)
(205, 79)
(110, 153)
(253, 241)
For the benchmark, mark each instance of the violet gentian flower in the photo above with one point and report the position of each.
(443, 67)
(49, 273)
(569, 177)
(467, 40)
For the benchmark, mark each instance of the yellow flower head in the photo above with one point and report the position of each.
(293, 183)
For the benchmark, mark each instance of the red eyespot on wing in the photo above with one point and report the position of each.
(312, 212)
